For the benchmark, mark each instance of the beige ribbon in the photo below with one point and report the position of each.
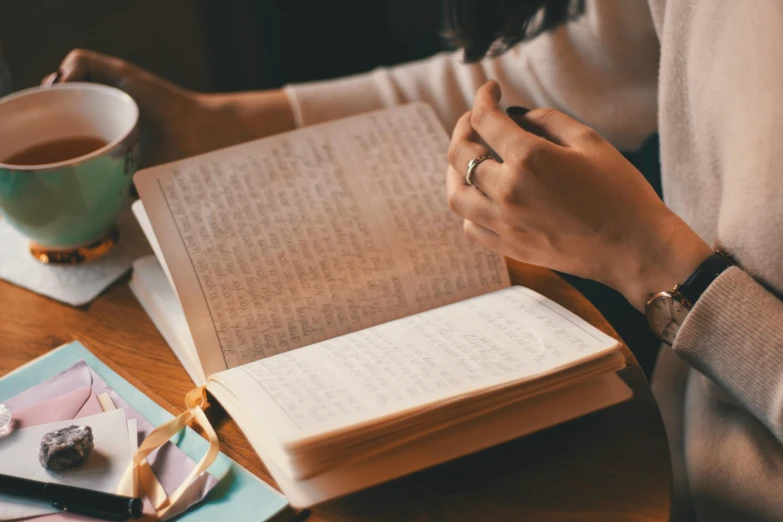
(194, 401)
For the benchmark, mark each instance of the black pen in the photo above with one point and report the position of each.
(71, 499)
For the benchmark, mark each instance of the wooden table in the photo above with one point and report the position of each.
(611, 465)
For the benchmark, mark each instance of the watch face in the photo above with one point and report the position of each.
(665, 315)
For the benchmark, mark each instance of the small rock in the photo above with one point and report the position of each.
(66, 448)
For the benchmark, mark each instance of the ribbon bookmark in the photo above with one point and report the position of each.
(194, 401)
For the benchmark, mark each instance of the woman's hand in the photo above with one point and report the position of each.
(175, 122)
(566, 199)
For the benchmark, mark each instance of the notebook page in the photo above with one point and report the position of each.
(507, 336)
(321, 232)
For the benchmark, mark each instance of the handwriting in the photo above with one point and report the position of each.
(312, 235)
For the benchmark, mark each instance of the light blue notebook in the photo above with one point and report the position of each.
(240, 494)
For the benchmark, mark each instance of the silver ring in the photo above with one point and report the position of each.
(472, 167)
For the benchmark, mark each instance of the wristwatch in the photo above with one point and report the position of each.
(666, 311)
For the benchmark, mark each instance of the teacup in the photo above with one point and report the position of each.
(67, 158)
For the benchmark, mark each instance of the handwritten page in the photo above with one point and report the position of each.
(311, 235)
(478, 344)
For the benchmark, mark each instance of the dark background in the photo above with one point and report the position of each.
(221, 45)
(230, 45)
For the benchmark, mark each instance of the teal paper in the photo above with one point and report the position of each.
(240, 495)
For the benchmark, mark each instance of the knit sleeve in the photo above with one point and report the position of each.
(601, 69)
(734, 336)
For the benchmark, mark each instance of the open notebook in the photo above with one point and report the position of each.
(317, 282)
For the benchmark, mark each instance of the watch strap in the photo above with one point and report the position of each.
(703, 277)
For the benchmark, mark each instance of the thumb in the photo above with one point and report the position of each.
(558, 127)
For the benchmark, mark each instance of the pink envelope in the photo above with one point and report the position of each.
(73, 394)
(81, 402)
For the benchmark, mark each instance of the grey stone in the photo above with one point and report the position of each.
(66, 448)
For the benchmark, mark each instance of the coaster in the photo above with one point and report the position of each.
(78, 284)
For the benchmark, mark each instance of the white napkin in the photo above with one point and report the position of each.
(73, 285)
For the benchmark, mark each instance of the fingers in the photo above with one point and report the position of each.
(559, 127)
(467, 202)
(464, 200)
(481, 235)
(82, 65)
(50, 79)
(463, 130)
(464, 149)
(497, 128)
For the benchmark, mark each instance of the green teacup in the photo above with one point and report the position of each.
(67, 157)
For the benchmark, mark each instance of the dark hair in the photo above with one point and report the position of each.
(491, 27)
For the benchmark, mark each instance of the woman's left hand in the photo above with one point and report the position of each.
(564, 198)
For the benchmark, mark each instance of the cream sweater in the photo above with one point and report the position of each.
(708, 75)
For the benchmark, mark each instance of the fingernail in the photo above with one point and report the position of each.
(516, 110)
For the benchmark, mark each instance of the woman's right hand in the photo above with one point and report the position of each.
(175, 122)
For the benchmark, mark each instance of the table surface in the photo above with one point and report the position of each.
(610, 465)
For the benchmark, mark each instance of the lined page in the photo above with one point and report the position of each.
(311, 235)
(491, 340)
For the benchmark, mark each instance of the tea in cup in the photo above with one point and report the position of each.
(67, 158)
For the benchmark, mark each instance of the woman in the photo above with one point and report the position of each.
(704, 74)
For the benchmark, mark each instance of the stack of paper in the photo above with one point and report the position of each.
(63, 388)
